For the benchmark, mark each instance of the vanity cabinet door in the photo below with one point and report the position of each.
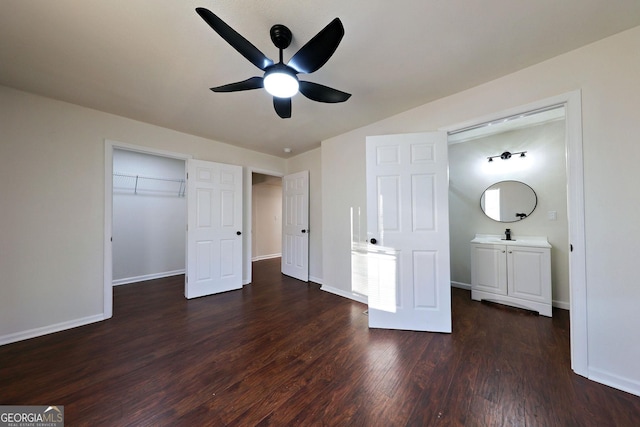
(529, 273)
(489, 268)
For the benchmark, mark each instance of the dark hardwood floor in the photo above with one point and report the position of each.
(281, 352)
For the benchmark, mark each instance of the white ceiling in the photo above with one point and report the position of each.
(154, 60)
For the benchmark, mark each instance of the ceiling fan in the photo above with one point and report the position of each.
(280, 79)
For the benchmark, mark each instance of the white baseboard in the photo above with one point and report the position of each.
(351, 295)
(49, 329)
(461, 285)
(561, 304)
(135, 279)
(261, 257)
(315, 280)
(614, 381)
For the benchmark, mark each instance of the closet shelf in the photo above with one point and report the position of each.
(148, 185)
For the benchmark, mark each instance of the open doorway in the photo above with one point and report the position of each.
(266, 216)
(576, 252)
(110, 148)
(537, 141)
(149, 216)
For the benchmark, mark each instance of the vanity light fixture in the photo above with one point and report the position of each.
(507, 155)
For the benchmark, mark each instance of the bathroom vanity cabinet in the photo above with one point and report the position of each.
(512, 272)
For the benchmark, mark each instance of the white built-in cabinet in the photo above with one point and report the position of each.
(512, 272)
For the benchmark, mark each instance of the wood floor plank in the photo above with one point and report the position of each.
(281, 352)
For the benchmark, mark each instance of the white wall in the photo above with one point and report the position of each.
(607, 73)
(311, 161)
(149, 217)
(543, 169)
(52, 172)
(266, 215)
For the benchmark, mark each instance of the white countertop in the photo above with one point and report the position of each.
(497, 239)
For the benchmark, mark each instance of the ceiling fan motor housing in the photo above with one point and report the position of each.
(281, 36)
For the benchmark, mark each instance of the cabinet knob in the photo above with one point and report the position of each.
(504, 251)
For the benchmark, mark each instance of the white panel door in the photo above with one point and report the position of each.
(295, 225)
(408, 232)
(214, 228)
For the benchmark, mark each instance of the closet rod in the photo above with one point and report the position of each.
(148, 177)
(138, 177)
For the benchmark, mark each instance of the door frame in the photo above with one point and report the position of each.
(575, 207)
(109, 146)
(248, 275)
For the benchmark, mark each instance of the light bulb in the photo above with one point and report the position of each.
(281, 83)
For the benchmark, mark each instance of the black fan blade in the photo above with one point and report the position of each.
(321, 93)
(319, 49)
(282, 106)
(238, 42)
(252, 83)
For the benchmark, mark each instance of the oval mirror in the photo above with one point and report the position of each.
(508, 201)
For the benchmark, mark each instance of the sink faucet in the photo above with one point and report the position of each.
(507, 234)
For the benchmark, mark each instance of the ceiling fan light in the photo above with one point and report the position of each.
(281, 84)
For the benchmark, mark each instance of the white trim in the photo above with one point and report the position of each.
(263, 257)
(461, 285)
(561, 304)
(145, 277)
(49, 329)
(577, 257)
(317, 280)
(350, 295)
(109, 146)
(575, 206)
(147, 150)
(107, 298)
(614, 381)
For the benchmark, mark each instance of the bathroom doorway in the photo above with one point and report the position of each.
(569, 152)
(537, 141)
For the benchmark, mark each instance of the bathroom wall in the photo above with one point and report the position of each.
(543, 169)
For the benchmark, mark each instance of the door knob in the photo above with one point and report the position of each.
(373, 241)
(238, 232)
